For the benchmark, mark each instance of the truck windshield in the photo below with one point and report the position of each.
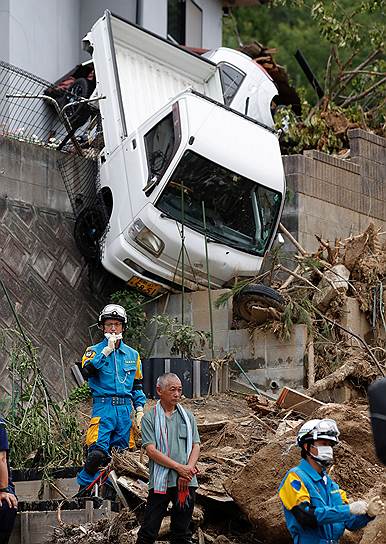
(239, 212)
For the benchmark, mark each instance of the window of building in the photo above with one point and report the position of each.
(176, 21)
(185, 23)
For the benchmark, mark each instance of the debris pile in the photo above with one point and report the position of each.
(338, 292)
(245, 454)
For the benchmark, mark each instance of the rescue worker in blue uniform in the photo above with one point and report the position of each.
(114, 373)
(316, 509)
(8, 500)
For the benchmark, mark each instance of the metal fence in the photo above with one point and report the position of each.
(37, 112)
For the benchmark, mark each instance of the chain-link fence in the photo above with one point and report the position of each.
(35, 111)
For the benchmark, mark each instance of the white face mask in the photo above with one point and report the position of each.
(117, 336)
(325, 455)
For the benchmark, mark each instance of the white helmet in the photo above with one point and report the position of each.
(113, 311)
(318, 428)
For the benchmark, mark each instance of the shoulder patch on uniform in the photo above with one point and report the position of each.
(89, 353)
(296, 484)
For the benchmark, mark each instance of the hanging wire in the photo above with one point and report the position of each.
(209, 284)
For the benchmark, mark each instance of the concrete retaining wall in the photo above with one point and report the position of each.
(333, 197)
(47, 278)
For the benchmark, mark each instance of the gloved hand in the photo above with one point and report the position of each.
(358, 508)
(110, 345)
(138, 416)
(376, 507)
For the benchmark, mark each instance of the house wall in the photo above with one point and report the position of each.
(44, 37)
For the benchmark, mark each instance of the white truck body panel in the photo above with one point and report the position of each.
(143, 72)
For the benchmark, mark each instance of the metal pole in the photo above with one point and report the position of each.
(209, 286)
(182, 253)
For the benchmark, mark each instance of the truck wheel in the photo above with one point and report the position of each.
(257, 295)
(89, 227)
(79, 113)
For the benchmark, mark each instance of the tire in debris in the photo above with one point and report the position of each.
(79, 113)
(89, 227)
(251, 302)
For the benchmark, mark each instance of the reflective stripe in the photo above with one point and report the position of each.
(114, 401)
(93, 431)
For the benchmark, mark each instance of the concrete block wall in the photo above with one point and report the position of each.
(29, 173)
(264, 357)
(335, 197)
(47, 278)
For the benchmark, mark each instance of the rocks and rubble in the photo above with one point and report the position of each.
(248, 444)
(244, 457)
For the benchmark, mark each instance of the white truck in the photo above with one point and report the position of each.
(185, 135)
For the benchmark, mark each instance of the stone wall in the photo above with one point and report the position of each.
(40, 266)
(46, 277)
(335, 197)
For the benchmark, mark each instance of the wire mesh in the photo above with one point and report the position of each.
(36, 121)
(27, 119)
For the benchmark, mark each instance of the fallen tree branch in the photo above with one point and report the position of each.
(364, 344)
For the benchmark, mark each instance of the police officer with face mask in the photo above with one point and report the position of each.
(316, 509)
(114, 373)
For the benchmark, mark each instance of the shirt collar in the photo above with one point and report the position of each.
(311, 472)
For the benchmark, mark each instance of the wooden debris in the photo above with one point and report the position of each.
(290, 399)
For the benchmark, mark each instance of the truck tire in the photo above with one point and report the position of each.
(257, 295)
(89, 227)
(79, 113)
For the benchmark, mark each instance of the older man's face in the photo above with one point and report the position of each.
(171, 391)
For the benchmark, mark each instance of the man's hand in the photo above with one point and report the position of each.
(110, 345)
(186, 471)
(138, 416)
(358, 508)
(376, 507)
(9, 498)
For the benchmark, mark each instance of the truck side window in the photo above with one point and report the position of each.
(160, 145)
(231, 79)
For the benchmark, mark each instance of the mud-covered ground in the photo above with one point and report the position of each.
(243, 458)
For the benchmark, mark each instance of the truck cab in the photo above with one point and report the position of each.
(190, 157)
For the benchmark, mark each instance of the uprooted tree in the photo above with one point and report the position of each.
(351, 69)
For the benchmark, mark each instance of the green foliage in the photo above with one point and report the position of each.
(79, 394)
(296, 312)
(184, 340)
(343, 42)
(42, 433)
(133, 303)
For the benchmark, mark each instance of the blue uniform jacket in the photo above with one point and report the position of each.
(116, 373)
(303, 484)
(4, 446)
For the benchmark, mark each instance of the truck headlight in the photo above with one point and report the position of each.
(145, 237)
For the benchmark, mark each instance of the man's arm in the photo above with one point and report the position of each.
(295, 498)
(194, 455)
(185, 471)
(4, 495)
(138, 396)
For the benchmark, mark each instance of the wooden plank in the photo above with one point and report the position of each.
(290, 399)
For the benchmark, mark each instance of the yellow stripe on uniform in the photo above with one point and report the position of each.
(88, 355)
(138, 373)
(293, 491)
(344, 496)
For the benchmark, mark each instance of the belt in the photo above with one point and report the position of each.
(114, 401)
(328, 541)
